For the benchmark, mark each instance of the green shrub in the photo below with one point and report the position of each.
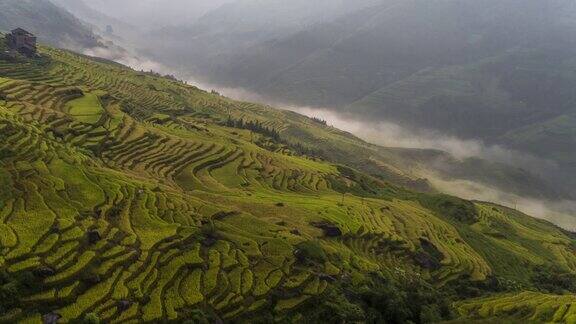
(451, 207)
(91, 318)
(310, 251)
(197, 316)
(208, 229)
(9, 296)
(13, 286)
(380, 300)
(428, 256)
(6, 184)
(553, 280)
(430, 314)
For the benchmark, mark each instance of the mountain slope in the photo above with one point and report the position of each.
(374, 47)
(95, 18)
(149, 14)
(237, 26)
(51, 23)
(130, 197)
(499, 71)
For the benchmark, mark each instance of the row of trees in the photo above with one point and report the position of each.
(166, 76)
(257, 127)
(319, 121)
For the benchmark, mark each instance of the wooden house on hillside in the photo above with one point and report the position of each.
(22, 41)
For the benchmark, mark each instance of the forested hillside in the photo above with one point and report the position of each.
(128, 197)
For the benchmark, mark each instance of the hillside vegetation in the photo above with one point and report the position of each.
(128, 197)
(501, 71)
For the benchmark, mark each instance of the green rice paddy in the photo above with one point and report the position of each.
(86, 109)
(125, 196)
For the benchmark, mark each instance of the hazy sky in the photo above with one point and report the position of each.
(154, 12)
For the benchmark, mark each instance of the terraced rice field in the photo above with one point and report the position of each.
(530, 307)
(124, 196)
(86, 109)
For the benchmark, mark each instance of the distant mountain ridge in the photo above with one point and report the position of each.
(501, 71)
(388, 42)
(95, 18)
(237, 26)
(53, 25)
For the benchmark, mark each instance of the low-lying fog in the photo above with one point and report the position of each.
(392, 135)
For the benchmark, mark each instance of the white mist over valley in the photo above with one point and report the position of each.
(216, 45)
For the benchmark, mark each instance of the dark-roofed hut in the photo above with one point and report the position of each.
(22, 41)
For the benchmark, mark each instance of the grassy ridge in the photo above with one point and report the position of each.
(125, 196)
